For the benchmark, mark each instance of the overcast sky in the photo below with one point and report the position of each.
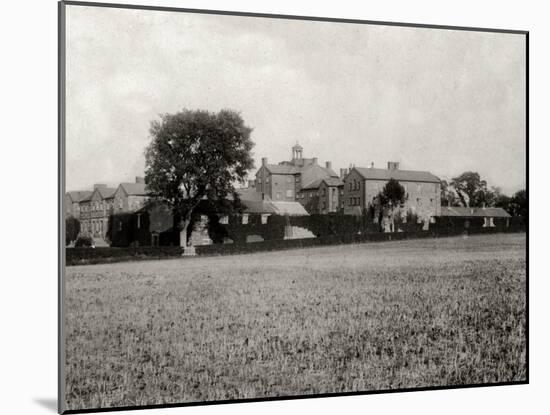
(438, 100)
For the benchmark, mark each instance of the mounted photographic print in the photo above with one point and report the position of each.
(259, 207)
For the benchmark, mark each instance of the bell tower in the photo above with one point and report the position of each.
(297, 151)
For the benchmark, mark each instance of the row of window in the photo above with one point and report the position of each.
(224, 220)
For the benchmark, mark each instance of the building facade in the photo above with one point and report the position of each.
(322, 196)
(422, 189)
(95, 207)
(284, 181)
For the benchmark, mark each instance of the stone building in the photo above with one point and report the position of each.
(285, 180)
(422, 189)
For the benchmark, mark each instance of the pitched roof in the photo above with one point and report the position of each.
(282, 169)
(106, 192)
(313, 185)
(402, 175)
(134, 189)
(248, 193)
(313, 173)
(78, 195)
(333, 181)
(277, 208)
(474, 212)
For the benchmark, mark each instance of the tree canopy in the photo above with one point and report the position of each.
(195, 155)
(470, 189)
(393, 194)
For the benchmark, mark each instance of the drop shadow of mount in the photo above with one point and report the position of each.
(48, 403)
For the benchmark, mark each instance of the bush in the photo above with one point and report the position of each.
(72, 229)
(84, 242)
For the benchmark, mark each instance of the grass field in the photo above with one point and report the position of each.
(360, 317)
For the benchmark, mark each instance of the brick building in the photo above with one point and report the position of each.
(284, 181)
(422, 189)
(130, 197)
(72, 202)
(95, 210)
(323, 195)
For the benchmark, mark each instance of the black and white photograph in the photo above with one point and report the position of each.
(258, 207)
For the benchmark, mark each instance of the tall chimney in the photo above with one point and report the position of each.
(99, 186)
(343, 172)
(315, 160)
(264, 161)
(372, 165)
(140, 179)
(329, 165)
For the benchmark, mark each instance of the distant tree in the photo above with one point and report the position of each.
(72, 229)
(471, 190)
(448, 195)
(196, 155)
(519, 204)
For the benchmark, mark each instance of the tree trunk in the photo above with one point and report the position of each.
(184, 224)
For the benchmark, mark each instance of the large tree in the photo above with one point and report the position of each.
(194, 156)
(471, 190)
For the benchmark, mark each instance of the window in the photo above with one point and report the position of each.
(351, 201)
(419, 188)
(297, 179)
(224, 220)
(324, 192)
(289, 193)
(350, 185)
(278, 195)
(324, 205)
(289, 179)
(138, 220)
(120, 203)
(245, 219)
(267, 179)
(418, 201)
(120, 225)
(264, 218)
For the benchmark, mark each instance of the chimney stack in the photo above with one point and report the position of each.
(315, 160)
(100, 186)
(343, 173)
(140, 179)
(264, 161)
(372, 165)
(393, 165)
(329, 165)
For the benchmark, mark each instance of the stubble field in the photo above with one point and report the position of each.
(360, 317)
